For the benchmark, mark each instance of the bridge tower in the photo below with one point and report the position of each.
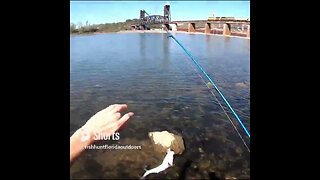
(142, 20)
(167, 16)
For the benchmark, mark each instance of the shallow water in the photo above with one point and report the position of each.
(158, 81)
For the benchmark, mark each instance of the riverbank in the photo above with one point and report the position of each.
(87, 34)
(155, 31)
(182, 32)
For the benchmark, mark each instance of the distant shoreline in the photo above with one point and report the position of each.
(155, 32)
(182, 32)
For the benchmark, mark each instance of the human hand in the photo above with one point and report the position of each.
(105, 122)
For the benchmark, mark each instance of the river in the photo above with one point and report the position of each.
(158, 81)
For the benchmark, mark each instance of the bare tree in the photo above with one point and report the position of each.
(72, 27)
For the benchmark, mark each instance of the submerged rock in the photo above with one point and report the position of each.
(241, 85)
(205, 164)
(230, 178)
(209, 85)
(164, 140)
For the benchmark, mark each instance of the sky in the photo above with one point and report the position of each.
(98, 12)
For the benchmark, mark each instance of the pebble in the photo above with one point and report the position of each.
(200, 150)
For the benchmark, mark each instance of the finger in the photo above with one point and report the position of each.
(124, 119)
(109, 108)
(119, 107)
(117, 115)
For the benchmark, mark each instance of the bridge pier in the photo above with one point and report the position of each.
(207, 28)
(226, 29)
(191, 27)
(248, 31)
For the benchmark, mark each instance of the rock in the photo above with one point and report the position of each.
(241, 85)
(164, 140)
(204, 164)
(98, 86)
(200, 150)
(72, 108)
(230, 178)
(209, 85)
(239, 150)
(212, 170)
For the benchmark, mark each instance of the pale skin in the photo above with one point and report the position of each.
(105, 123)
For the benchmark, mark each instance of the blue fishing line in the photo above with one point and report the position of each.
(215, 86)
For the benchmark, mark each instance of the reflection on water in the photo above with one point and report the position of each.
(143, 47)
(248, 45)
(166, 45)
(156, 79)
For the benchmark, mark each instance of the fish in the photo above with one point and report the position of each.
(166, 163)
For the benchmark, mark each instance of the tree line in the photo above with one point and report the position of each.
(81, 28)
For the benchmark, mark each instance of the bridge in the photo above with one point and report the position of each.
(213, 25)
(218, 25)
(146, 21)
(218, 20)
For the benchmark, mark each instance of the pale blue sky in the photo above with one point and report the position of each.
(116, 11)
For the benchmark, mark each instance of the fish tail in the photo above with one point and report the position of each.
(145, 174)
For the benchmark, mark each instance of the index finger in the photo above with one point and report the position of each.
(124, 118)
